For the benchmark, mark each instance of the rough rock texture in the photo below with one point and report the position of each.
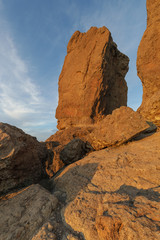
(74, 151)
(91, 84)
(114, 193)
(66, 154)
(119, 127)
(148, 62)
(22, 158)
(57, 142)
(72, 144)
(25, 213)
(45, 233)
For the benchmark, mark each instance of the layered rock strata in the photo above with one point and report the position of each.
(91, 83)
(148, 64)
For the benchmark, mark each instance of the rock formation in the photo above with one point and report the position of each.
(119, 127)
(148, 64)
(111, 194)
(71, 144)
(22, 158)
(23, 214)
(91, 84)
(114, 193)
(74, 151)
(64, 139)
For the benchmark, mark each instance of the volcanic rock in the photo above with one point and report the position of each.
(91, 83)
(23, 214)
(74, 151)
(114, 193)
(22, 158)
(60, 140)
(121, 126)
(148, 62)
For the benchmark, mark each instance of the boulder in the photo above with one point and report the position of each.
(73, 143)
(148, 62)
(91, 83)
(64, 141)
(121, 126)
(22, 158)
(74, 151)
(24, 214)
(114, 193)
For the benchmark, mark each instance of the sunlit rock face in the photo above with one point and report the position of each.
(91, 83)
(114, 193)
(148, 64)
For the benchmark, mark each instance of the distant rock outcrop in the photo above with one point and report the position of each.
(91, 84)
(22, 158)
(148, 64)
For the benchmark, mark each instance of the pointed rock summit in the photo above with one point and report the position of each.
(91, 83)
(148, 64)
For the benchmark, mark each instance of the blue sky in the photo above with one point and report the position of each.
(33, 41)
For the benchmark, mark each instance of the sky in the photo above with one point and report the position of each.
(33, 43)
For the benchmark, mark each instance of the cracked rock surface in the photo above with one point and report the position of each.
(23, 214)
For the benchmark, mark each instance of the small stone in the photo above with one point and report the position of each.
(50, 227)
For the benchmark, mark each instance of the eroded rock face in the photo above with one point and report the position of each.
(25, 213)
(91, 84)
(114, 193)
(148, 62)
(22, 158)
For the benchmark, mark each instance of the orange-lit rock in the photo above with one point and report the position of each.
(91, 83)
(148, 64)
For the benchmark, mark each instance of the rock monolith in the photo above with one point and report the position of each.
(91, 83)
(148, 64)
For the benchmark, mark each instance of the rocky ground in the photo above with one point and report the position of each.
(110, 194)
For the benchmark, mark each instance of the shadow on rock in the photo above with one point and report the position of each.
(134, 192)
(73, 179)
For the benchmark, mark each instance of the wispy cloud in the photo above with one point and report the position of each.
(20, 96)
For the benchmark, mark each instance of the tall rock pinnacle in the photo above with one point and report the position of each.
(148, 64)
(91, 83)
